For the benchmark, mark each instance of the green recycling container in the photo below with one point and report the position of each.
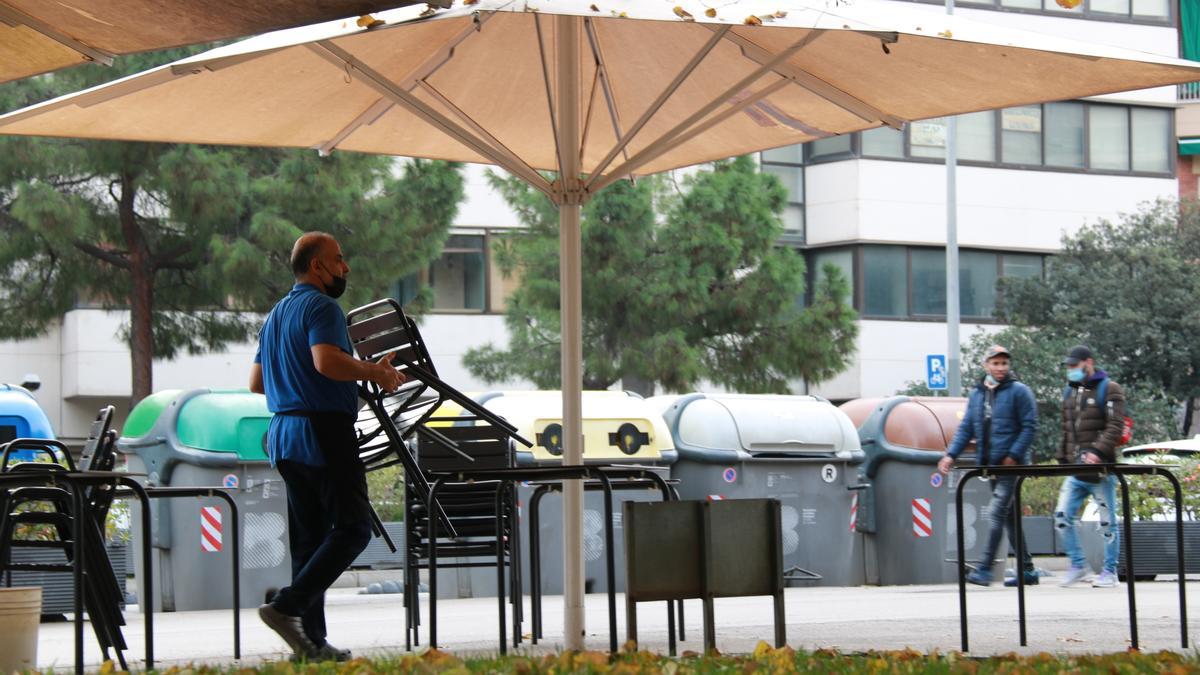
(208, 438)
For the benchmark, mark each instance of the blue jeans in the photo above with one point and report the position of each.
(1066, 518)
(1000, 520)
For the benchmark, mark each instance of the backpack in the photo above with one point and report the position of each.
(1101, 398)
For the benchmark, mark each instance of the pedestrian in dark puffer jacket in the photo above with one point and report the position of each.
(1091, 433)
(1001, 418)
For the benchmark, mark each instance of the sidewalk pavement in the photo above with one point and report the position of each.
(857, 619)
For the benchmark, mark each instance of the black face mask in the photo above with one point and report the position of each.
(336, 287)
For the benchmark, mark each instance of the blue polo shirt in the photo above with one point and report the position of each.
(303, 318)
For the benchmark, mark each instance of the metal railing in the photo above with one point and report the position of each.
(1188, 91)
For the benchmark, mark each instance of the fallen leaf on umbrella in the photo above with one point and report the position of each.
(780, 14)
(710, 13)
(683, 14)
(946, 34)
(594, 8)
(367, 21)
(753, 21)
(622, 15)
(429, 11)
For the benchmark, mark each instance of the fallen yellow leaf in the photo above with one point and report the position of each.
(753, 21)
(710, 13)
(683, 13)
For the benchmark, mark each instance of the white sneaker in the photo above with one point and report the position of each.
(1076, 575)
(1105, 579)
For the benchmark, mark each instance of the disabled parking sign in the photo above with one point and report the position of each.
(935, 371)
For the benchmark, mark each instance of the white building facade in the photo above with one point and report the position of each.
(872, 203)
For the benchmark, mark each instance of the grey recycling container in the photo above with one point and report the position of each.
(618, 428)
(800, 450)
(208, 438)
(906, 507)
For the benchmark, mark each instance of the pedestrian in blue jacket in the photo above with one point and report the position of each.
(1001, 418)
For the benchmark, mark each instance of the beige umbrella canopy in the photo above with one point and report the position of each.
(595, 90)
(38, 36)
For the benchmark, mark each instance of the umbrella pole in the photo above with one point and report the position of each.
(571, 299)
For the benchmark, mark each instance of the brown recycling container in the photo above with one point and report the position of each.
(905, 506)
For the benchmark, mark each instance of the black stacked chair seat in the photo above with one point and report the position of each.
(51, 506)
(400, 428)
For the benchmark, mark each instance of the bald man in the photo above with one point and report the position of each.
(307, 370)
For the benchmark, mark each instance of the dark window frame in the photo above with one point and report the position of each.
(859, 279)
(1085, 12)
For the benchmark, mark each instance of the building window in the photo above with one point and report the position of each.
(910, 282)
(1108, 137)
(841, 258)
(1133, 11)
(834, 146)
(1151, 136)
(786, 163)
(1070, 135)
(1064, 134)
(929, 282)
(885, 275)
(458, 279)
(1021, 135)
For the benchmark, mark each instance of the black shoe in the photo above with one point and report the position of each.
(325, 652)
(291, 629)
(1031, 579)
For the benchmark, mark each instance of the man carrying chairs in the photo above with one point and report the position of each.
(307, 370)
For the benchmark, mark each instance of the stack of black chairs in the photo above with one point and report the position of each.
(42, 502)
(476, 522)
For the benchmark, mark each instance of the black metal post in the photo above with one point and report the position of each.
(1127, 536)
(499, 565)
(1019, 534)
(962, 566)
(535, 559)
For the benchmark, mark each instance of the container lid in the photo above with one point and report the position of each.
(920, 423)
(226, 421)
(21, 416)
(800, 426)
(617, 426)
(146, 413)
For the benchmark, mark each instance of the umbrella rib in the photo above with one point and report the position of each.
(814, 84)
(654, 107)
(368, 116)
(587, 117)
(656, 148)
(430, 66)
(537, 26)
(376, 80)
(610, 97)
(725, 114)
(14, 17)
(525, 171)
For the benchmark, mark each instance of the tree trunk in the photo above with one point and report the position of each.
(1189, 417)
(141, 296)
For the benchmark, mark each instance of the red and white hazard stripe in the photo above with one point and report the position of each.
(854, 513)
(715, 498)
(922, 518)
(210, 529)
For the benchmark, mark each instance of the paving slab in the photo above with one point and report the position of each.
(925, 618)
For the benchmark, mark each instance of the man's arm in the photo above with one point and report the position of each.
(336, 364)
(1027, 414)
(1114, 424)
(256, 381)
(966, 431)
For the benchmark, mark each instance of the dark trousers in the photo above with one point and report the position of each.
(329, 524)
(1000, 517)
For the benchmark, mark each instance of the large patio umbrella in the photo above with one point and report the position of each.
(38, 36)
(595, 91)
